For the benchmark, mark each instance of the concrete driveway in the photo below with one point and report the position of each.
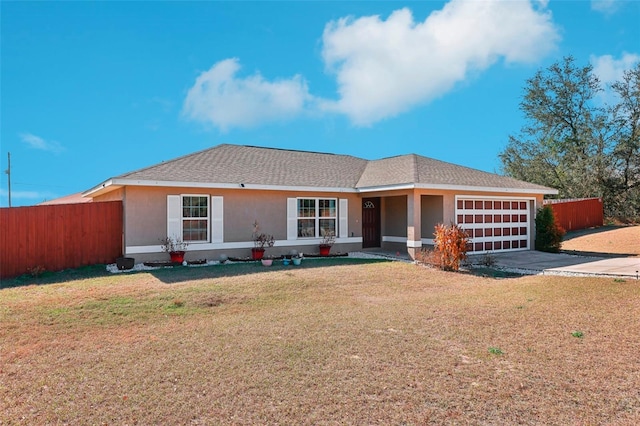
(562, 263)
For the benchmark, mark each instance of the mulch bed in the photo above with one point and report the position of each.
(167, 263)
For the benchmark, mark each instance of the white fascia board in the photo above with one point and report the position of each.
(533, 191)
(491, 197)
(106, 186)
(115, 183)
(217, 185)
(387, 187)
(448, 187)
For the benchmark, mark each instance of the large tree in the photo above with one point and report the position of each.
(624, 181)
(575, 142)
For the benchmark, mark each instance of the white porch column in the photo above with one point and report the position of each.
(414, 230)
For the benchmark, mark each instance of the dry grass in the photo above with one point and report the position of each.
(608, 239)
(383, 343)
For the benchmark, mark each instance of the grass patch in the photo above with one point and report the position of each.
(48, 277)
(495, 351)
(178, 273)
(490, 272)
(354, 343)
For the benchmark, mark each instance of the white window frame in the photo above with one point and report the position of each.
(183, 218)
(317, 216)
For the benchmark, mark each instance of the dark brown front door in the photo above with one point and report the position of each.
(370, 222)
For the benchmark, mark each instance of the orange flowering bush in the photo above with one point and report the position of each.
(450, 247)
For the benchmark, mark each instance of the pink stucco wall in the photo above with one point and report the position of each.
(145, 217)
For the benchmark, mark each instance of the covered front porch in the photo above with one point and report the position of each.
(405, 221)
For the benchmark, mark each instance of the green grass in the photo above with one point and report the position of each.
(178, 273)
(495, 351)
(50, 277)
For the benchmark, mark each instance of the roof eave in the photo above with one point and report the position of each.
(111, 184)
(115, 183)
(392, 187)
(507, 190)
(102, 188)
(448, 187)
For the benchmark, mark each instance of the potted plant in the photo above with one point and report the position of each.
(175, 247)
(124, 263)
(297, 259)
(328, 238)
(261, 242)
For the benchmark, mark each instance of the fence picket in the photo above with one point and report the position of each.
(57, 237)
(576, 214)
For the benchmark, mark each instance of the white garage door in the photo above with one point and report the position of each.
(495, 224)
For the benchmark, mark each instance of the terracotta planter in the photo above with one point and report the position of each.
(324, 250)
(177, 256)
(257, 253)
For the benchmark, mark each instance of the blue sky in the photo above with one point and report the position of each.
(91, 90)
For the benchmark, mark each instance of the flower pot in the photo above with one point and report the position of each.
(257, 253)
(177, 256)
(324, 250)
(125, 263)
(285, 261)
(267, 262)
(297, 261)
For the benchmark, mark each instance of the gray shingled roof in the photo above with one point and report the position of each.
(417, 169)
(235, 164)
(260, 166)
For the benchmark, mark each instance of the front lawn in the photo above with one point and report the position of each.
(353, 343)
(607, 239)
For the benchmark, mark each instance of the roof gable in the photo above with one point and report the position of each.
(422, 171)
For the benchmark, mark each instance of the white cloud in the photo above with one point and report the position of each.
(36, 142)
(610, 70)
(607, 7)
(220, 98)
(384, 68)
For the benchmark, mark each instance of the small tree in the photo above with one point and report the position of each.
(548, 232)
(450, 246)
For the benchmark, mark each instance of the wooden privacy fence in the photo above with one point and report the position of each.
(577, 213)
(57, 237)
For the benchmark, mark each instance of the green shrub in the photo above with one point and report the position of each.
(548, 232)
